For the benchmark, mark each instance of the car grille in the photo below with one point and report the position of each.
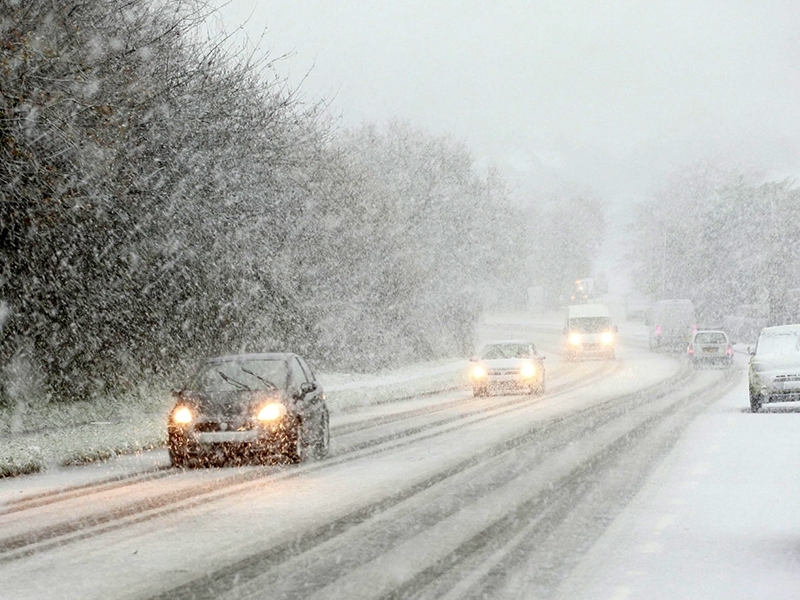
(212, 426)
(501, 372)
(787, 378)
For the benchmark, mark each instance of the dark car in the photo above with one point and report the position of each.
(249, 407)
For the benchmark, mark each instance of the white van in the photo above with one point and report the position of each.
(588, 332)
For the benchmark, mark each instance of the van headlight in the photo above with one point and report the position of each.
(607, 338)
(575, 339)
(527, 370)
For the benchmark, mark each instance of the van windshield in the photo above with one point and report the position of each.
(589, 324)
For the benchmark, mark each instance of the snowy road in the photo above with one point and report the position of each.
(433, 496)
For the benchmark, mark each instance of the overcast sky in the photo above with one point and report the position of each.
(607, 96)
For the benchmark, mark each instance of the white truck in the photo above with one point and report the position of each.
(589, 332)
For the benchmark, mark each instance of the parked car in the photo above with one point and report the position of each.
(710, 346)
(508, 365)
(249, 407)
(774, 370)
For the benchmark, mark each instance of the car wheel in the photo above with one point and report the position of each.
(323, 441)
(755, 403)
(477, 392)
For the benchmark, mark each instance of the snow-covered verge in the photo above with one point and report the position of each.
(54, 434)
(717, 519)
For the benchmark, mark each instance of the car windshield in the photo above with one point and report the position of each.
(589, 324)
(781, 343)
(497, 351)
(710, 337)
(241, 375)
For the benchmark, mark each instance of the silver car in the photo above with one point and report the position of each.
(709, 347)
(508, 365)
(775, 366)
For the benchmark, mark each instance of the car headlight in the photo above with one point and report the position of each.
(607, 338)
(182, 415)
(527, 370)
(760, 367)
(478, 372)
(271, 412)
(575, 339)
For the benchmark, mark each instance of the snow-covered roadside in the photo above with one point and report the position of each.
(94, 433)
(717, 519)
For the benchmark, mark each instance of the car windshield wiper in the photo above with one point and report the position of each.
(266, 382)
(231, 380)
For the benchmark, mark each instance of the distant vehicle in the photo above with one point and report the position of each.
(582, 291)
(507, 365)
(672, 324)
(249, 407)
(589, 332)
(774, 370)
(710, 346)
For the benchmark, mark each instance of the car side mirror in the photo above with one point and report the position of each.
(542, 357)
(473, 359)
(176, 392)
(616, 329)
(751, 350)
(308, 386)
(565, 331)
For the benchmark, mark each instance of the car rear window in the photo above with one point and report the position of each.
(712, 337)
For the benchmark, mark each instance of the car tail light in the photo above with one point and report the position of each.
(691, 349)
(658, 329)
(694, 328)
(729, 352)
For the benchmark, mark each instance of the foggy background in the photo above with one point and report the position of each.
(609, 97)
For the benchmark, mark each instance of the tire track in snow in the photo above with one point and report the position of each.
(25, 544)
(275, 567)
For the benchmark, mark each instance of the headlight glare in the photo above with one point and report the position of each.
(478, 372)
(528, 370)
(575, 339)
(607, 338)
(271, 412)
(182, 415)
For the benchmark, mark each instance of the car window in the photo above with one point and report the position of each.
(780, 343)
(306, 369)
(499, 351)
(240, 375)
(711, 337)
(589, 324)
(297, 375)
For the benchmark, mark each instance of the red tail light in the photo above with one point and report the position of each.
(691, 349)
(730, 350)
(658, 329)
(694, 328)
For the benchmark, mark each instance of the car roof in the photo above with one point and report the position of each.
(778, 329)
(504, 342)
(258, 356)
(710, 331)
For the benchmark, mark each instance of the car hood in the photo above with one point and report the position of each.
(231, 403)
(779, 362)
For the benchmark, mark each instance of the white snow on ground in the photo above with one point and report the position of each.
(718, 519)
